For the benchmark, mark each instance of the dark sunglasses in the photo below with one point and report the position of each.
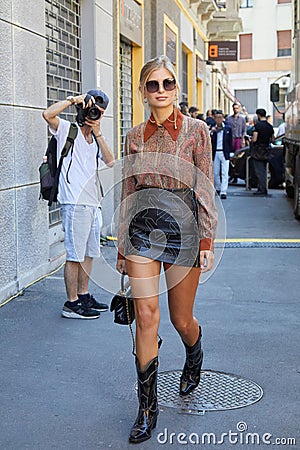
(153, 85)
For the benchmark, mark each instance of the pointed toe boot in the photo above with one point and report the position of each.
(190, 377)
(148, 406)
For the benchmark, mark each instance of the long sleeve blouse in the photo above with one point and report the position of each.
(162, 161)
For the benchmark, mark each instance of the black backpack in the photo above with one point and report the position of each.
(50, 170)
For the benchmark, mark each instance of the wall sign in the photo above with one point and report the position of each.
(222, 51)
(131, 21)
(199, 67)
(170, 40)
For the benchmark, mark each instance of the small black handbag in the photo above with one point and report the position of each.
(122, 304)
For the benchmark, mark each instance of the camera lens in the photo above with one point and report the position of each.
(94, 113)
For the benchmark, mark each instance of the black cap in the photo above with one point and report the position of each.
(100, 98)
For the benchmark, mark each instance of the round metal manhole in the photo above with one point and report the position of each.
(217, 391)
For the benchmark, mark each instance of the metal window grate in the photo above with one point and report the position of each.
(126, 90)
(63, 59)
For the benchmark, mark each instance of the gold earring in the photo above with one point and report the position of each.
(176, 100)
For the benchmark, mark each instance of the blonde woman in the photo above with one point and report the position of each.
(167, 220)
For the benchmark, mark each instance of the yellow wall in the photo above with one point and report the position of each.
(137, 63)
(199, 95)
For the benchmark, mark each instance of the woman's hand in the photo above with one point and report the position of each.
(121, 266)
(206, 260)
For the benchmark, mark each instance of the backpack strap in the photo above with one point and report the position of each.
(73, 131)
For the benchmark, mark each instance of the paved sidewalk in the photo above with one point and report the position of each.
(69, 384)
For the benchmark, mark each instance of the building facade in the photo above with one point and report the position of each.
(264, 54)
(65, 47)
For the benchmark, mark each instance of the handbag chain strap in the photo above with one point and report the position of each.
(123, 292)
(130, 327)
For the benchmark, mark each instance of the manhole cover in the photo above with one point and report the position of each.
(217, 391)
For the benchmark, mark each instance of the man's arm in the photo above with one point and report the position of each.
(254, 136)
(51, 117)
(230, 140)
(107, 154)
(50, 114)
(244, 132)
(273, 139)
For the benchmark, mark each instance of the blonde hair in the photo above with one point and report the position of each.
(155, 64)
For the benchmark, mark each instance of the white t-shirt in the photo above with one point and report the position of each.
(281, 129)
(220, 139)
(81, 167)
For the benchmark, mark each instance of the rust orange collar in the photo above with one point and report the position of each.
(169, 125)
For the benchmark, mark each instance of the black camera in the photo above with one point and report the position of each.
(92, 113)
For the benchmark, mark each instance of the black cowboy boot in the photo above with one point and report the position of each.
(148, 407)
(190, 377)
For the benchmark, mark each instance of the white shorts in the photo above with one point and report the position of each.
(82, 225)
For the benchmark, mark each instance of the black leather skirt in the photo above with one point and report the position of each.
(164, 226)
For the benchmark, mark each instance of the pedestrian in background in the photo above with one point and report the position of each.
(167, 179)
(221, 139)
(237, 124)
(79, 196)
(210, 119)
(263, 136)
(193, 111)
(269, 119)
(200, 116)
(250, 128)
(184, 108)
(281, 128)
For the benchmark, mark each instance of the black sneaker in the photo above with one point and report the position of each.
(74, 310)
(89, 302)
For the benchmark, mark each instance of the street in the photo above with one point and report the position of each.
(70, 384)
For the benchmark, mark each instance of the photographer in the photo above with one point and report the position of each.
(79, 196)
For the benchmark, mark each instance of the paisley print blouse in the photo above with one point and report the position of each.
(170, 160)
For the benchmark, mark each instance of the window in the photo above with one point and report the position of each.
(246, 46)
(284, 43)
(247, 98)
(184, 87)
(277, 117)
(63, 60)
(126, 89)
(246, 4)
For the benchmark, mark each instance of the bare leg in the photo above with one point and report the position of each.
(71, 279)
(181, 299)
(181, 303)
(144, 279)
(84, 272)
